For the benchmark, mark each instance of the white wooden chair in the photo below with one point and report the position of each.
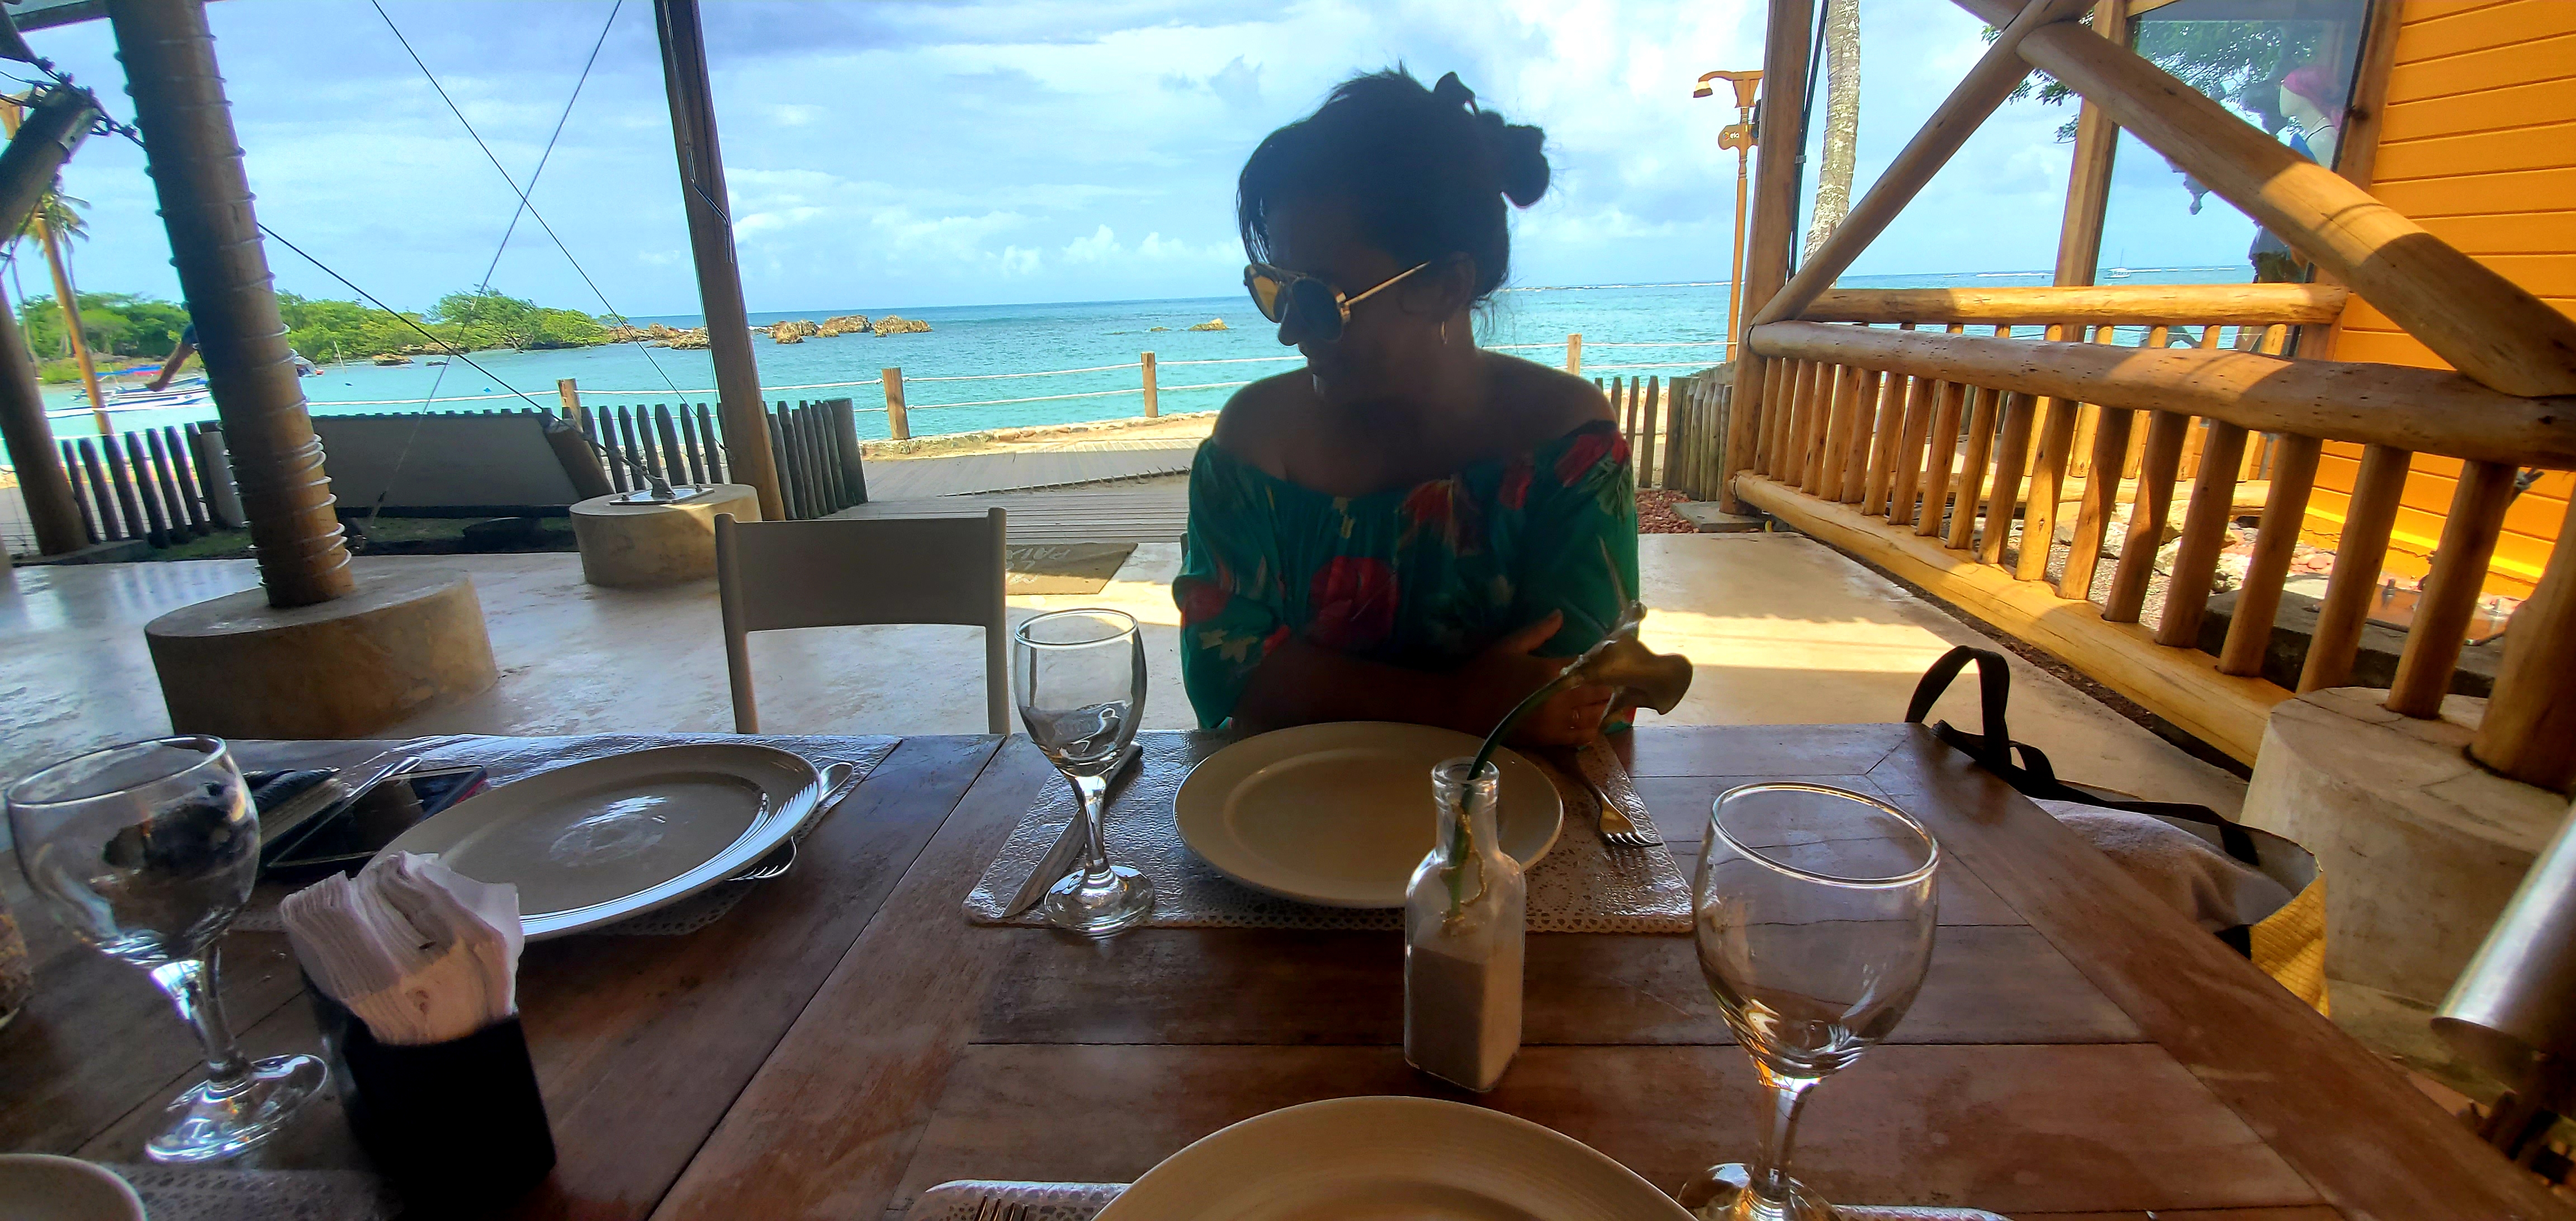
(791, 574)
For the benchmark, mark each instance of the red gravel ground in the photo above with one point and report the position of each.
(1655, 514)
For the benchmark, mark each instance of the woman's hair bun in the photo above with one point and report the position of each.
(1520, 157)
(1426, 169)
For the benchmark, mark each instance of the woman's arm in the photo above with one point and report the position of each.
(1299, 682)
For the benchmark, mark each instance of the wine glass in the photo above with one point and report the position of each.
(1081, 681)
(146, 851)
(1813, 911)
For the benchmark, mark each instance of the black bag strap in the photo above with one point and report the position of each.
(2033, 776)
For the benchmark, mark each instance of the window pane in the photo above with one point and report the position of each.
(2284, 66)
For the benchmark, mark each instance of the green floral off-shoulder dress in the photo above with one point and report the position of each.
(1423, 577)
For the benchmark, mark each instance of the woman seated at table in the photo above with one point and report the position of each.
(1409, 528)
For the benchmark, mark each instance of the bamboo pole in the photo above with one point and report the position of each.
(1985, 87)
(2377, 493)
(1783, 141)
(2258, 602)
(2429, 410)
(2450, 593)
(702, 191)
(2485, 325)
(2529, 732)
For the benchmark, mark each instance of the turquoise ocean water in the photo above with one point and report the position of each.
(1628, 330)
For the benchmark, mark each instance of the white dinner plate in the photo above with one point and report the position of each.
(594, 842)
(1339, 814)
(1367, 1159)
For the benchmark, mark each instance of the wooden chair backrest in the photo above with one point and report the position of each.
(792, 574)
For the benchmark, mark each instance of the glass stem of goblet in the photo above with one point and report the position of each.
(1094, 792)
(1771, 1173)
(191, 984)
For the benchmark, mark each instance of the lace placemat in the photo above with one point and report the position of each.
(197, 1193)
(1583, 885)
(968, 1200)
(508, 759)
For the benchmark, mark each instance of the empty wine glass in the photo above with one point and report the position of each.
(1081, 681)
(146, 851)
(1814, 912)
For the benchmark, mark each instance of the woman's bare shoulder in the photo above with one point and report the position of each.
(1258, 423)
(1550, 401)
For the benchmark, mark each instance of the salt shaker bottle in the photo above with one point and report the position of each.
(1464, 923)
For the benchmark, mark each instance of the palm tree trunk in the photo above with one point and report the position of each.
(1842, 121)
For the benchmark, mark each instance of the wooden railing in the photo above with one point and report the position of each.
(1676, 430)
(157, 485)
(815, 446)
(1952, 456)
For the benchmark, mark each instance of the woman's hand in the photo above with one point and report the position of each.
(1489, 687)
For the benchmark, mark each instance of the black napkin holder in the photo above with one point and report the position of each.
(456, 1126)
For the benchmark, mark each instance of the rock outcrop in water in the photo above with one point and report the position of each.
(691, 339)
(843, 324)
(792, 331)
(1212, 324)
(894, 325)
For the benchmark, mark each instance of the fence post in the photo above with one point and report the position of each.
(1646, 473)
(845, 445)
(570, 392)
(1152, 405)
(215, 473)
(897, 426)
(1574, 353)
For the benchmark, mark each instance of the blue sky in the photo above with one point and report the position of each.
(905, 154)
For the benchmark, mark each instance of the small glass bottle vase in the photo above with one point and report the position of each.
(1464, 921)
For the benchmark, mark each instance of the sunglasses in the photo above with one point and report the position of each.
(1321, 311)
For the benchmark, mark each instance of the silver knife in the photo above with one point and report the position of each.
(1058, 860)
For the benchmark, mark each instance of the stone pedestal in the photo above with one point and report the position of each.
(2419, 846)
(410, 639)
(640, 546)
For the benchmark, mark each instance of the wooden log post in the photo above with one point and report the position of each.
(1940, 452)
(2047, 480)
(898, 426)
(716, 469)
(845, 446)
(675, 460)
(2249, 633)
(1153, 391)
(2450, 593)
(165, 479)
(117, 516)
(2485, 325)
(2118, 305)
(1967, 490)
(192, 495)
(2012, 448)
(1781, 142)
(1829, 432)
(568, 393)
(692, 446)
(147, 489)
(1574, 353)
(2204, 535)
(44, 481)
(2377, 493)
(2101, 499)
(215, 472)
(2529, 732)
(709, 209)
(1648, 474)
(1985, 87)
(80, 502)
(205, 203)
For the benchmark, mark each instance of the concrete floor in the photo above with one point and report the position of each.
(1781, 628)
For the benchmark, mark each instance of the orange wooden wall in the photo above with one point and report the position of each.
(2478, 145)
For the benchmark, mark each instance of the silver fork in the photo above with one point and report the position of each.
(1617, 828)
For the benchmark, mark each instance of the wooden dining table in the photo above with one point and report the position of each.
(844, 1039)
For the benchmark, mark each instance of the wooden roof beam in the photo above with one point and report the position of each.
(1978, 94)
(2485, 325)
